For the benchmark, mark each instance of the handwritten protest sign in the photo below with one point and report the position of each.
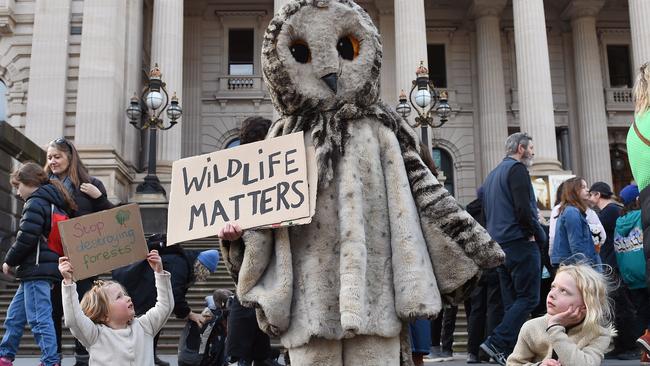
(100, 242)
(256, 184)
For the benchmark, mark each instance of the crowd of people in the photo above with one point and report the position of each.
(581, 275)
(572, 291)
(593, 240)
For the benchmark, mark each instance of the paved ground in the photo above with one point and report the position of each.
(459, 359)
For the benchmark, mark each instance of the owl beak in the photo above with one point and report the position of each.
(331, 81)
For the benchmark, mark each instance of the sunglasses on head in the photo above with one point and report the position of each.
(63, 141)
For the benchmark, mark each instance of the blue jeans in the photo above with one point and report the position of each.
(31, 304)
(519, 279)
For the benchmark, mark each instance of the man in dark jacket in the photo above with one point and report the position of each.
(510, 210)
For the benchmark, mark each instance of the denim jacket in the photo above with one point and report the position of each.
(573, 240)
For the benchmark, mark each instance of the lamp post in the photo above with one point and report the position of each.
(426, 101)
(144, 113)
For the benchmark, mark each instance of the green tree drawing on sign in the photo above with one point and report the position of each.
(122, 216)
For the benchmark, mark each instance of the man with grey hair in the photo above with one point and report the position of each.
(510, 210)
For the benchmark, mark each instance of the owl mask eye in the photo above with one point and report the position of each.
(348, 47)
(300, 51)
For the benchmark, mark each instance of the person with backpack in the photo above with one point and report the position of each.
(35, 255)
(64, 164)
(628, 244)
(206, 345)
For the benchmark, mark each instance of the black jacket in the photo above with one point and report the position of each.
(138, 280)
(30, 252)
(87, 205)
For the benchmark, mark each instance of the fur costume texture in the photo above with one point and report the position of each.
(387, 243)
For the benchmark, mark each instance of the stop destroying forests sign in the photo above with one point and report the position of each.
(105, 240)
(257, 184)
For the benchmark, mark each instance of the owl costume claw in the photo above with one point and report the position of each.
(387, 243)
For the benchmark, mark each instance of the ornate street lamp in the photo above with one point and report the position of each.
(144, 113)
(425, 100)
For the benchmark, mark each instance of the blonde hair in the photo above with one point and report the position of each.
(640, 91)
(95, 303)
(594, 287)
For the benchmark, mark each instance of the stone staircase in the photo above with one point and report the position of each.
(168, 342)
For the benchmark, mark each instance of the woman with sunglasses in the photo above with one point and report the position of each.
(64, 164)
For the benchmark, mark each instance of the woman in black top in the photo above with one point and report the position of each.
(65, 165)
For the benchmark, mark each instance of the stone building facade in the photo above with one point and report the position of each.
(561, 70)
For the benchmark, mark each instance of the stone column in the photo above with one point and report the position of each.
(192, 87)
(592, 119)
(100, 118)
(167, 52)
(100, 94)
(133, 83)
(48, 71)
(410, 44)
(534, 82)
(640, 27)
(491, 89)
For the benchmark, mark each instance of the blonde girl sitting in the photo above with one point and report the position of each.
(105, 320)
(576, 329)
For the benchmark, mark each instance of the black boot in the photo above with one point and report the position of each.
(159, 362)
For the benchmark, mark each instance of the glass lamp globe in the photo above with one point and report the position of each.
(423, 98)
(133, 112)
(174, 111)
(443, 111)
(154, 100)
(403, 109)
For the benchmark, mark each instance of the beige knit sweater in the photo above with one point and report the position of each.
(131, 346)
(575, 348)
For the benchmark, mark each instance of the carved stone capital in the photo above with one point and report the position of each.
(481, 8)
(582, 8)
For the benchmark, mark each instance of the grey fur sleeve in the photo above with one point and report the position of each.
(266, 278)
(233, 256)
(450, 232)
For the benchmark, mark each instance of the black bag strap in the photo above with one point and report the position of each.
(638, 133)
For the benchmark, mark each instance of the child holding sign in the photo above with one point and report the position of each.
(105, 320)
(36, 264)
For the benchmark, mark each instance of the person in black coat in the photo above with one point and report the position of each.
(486, 309)
(64, 164)
(246, 344)
(35, 258)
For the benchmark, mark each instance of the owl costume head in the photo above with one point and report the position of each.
(321, 54)
(321, 62)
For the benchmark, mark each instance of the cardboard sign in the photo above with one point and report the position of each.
(256, 184)
(102, 241)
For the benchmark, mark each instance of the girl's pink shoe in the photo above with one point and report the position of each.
(4, 361)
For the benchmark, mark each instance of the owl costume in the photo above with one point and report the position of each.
(387, 243)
